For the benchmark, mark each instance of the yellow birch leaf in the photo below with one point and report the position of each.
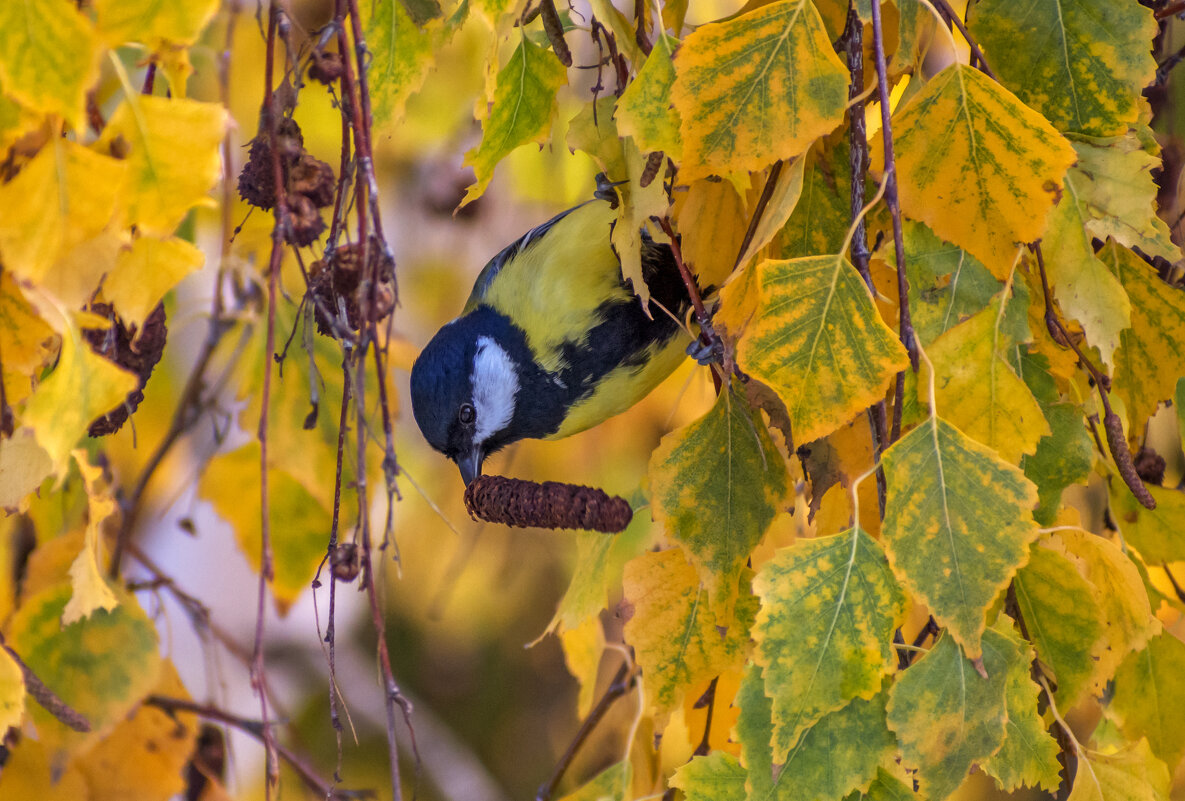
(63, 197)
(638, 205)
(145, 272)
(1151, 355)
(594, 131)
(977, 390)
(12, 692)
(91, 591)
(715, 777)
(101, 666)
(1084, 288)
(1081, 64)
(712, 222)
(644, 110)
(1149, 696)
(82, 386)
(673, 630)
(30, 772)
(27, 343)
(958, 523)
(583, 646)
(976, 165)
(1156, 533)
(695, 473)
(818, 342)
(401, 55)
(820, 219)
(144, 757)
(299, 522)
(1132, 774)
(1062, 617)
(173, 157)
(152, 22)
(947, 715)
(523, 106)
(49, 56)
(23, 466)
(1121, 596)
(80, 270)
(824, 632)
(782, 202)
(1114, 179)
(15, 120)
(756, 88)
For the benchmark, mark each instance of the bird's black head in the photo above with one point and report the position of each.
(466, 387)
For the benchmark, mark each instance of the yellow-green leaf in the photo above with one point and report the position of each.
(1029, 754)
(523, 105)
(673, 630)
(12, 692)
(1062, 458)
(173, 157)
(958, 524)
(756, 88)
(696, 476)
(64, 196)
(26, 342)
(975, 164)
(1081, 63)
(611, 784)
(1133, 774)
(82, 386)
(839, 753)
(1151, 355)
(1149, 696)
(584, 645)
(1156, 533)
(1119, 593)
(48, 56)
(820, 220)
(1113, 177)
(401, 55)
(825, 629)
(91, 591)
(645, 111)
(154, 22)
(946, 283)
(715, 777)
(818, 341)
(976, 389)
(1062, 618)
(100, 666)
(145, 272)
(947, 716)
(299, 523)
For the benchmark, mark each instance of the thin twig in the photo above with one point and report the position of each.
(619, 686)
(1173, 580)
(256, 729)
(950, 14)
(47, 698)
(906, 332)
(708, 699)
(767, 192)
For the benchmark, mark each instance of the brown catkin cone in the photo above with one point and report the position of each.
(551, 504)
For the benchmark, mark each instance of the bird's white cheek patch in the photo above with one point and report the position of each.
(495, 385)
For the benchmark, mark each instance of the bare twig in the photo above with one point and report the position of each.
(767, 192)
(708, 699)
(43, 695)
(620, 685)
(954, 18)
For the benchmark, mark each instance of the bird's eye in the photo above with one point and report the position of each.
(467, 414)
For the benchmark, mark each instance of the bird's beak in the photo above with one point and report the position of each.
(470, 465)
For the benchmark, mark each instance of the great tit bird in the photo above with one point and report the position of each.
(552, 341)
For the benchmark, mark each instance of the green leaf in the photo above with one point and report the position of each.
(695, 476)
(1151, 355)
(1064, 457)
(611, 784)
(822, 215)
(1156, 533)
(839, 753)
(401, 55)
(1062, 618)
(977, 390)
(673, 631)
(1149, 696)
(1113, 177)
(1029, 754)
(887, 787)
(1132, 774)
(946, 283)
(756, 88)
(523, 106)
(100, 666)
(975, 164)
(644, 110)
(49, 56)
(825, 629)
(715, 777)
(818, 341)
(957, 524)
(947, 716)
(1081, 63)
